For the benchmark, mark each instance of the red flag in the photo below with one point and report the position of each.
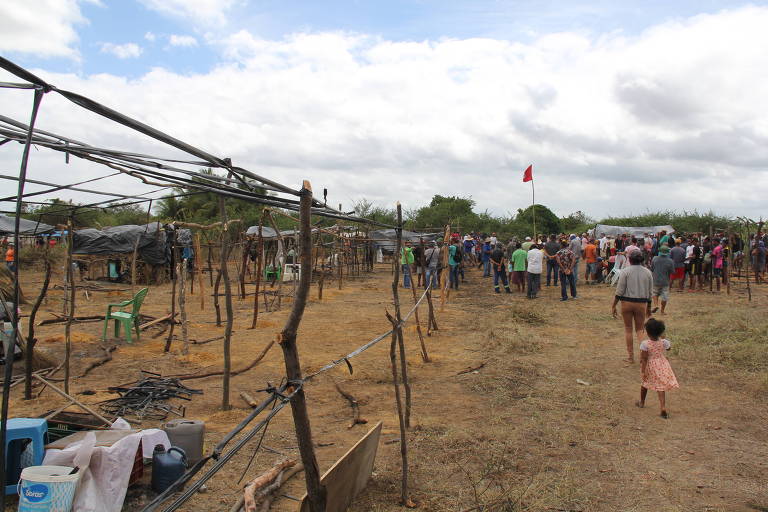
(528, 174)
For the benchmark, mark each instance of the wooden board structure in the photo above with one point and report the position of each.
(350, 474)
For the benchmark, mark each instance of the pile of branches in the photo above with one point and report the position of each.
(146, 399)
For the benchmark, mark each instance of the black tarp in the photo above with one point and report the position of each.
(154, 241)
(26, 227)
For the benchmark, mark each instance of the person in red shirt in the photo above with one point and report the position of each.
(10, 257)
(590, 256)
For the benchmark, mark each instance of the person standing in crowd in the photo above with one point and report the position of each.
(706, 258)
(499, 263)
(575, 246)
(634, 291)
(631, 247)
(758, 261)
(664, 239)
(527, 244)
(535, 259)
(431, 262)
(662, 268)
(590, 257)
(693, 254)
(468, 249)
(655, 369)
(519, 259)
(718, 254)
(416, 250)
(10, 257)
(486, 256)
(566, 261)
(406, 261)
(550, 250)
(677, 254)
(494, 240)
(454, 260)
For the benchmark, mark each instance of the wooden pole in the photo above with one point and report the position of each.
(174, 277)
(340, 259)
(29, 349)
(259, 270)
(243, 266)
(424, 354)
(444, 256)
(199, 271)
(396, 331)
(276, 262)
(399, 327)
(224, 275)
(183, 306)
(71, 281)
(315, 490)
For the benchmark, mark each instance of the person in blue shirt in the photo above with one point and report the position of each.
(486, 256)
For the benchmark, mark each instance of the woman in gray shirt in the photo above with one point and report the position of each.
(634, 291)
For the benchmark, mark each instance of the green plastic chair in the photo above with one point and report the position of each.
(128, 320)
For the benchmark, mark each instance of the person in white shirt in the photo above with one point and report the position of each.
(494, 240)
(535, 266)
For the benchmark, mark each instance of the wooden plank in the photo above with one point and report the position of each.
(350, 474)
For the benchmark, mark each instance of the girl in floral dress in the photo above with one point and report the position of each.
(656, 372)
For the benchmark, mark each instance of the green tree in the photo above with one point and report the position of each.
(546, 221)
(442, 210)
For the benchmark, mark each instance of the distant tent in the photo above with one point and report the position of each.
(26, 227)
(154, 241)
(386, 239)
(614, 231)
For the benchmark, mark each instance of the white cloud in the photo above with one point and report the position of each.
(122, 51)
(672, 118)
(186, 41)
(203, 12)
(151, 37)
(40, 27)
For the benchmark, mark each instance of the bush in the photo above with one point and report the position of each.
(35, 257)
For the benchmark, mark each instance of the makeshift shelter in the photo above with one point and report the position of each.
(639, 231)
(386, 239)
(110, 251)
(26, 227)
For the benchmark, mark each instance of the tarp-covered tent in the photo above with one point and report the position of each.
(266, 232)
(638, 231)
(26, 227)
(154, 241)
(386, 239)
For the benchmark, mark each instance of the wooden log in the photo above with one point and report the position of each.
(317, 493)
(248, 399)
(206, 227)
(249, 494)
(209, 340)
(270, 492)
(105, 359)
(156, 321)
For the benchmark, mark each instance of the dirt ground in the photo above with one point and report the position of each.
(518, 434)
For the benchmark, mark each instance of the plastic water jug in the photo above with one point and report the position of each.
(167, 466)
(187, 435)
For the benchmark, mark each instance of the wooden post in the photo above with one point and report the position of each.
(216, 285)
(398, 317)
(396, 333)
(259, 270)
(174, 277)
(183, 306)
(209, 246)
(224, 274)
(281, 248)
(243, 266)
(133, 264)
(424, 354)
(444, 256)
(340, 258)
(315, 490)
(71, 280)
(199, 270)
(29, 349)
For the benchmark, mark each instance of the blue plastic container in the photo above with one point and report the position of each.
(167, 466)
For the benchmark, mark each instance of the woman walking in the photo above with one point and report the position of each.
(634, 291)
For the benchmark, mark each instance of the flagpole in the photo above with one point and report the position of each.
(533, 209)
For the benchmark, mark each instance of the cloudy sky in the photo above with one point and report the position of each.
(621, 106)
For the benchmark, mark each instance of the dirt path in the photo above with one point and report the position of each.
(520, 434)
